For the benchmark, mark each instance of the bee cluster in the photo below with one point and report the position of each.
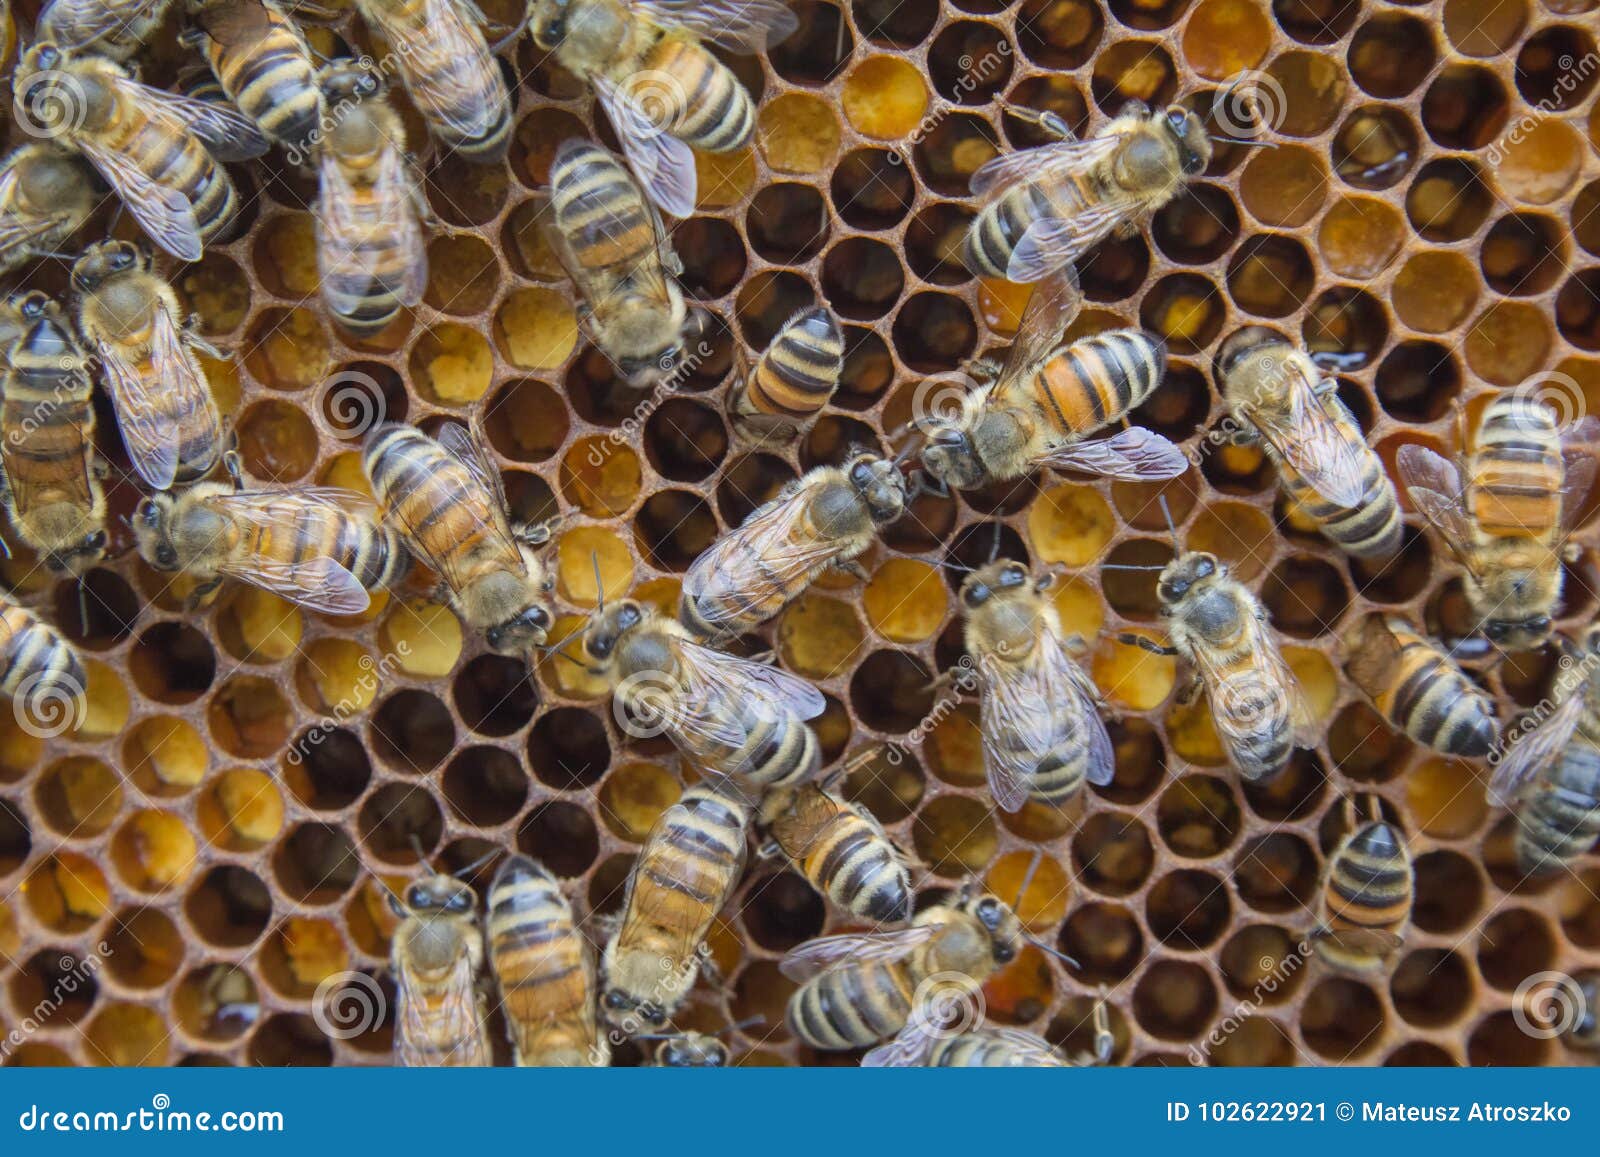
(515, 539)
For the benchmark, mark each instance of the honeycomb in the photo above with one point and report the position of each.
(201, 849)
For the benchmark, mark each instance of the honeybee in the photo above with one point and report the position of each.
(1043, 208)
(730, 716)
(1221, 629)
(128, 314)
(46, 194)
(435, 956)
(51, 486)
(692, 1050)
(448, 502)
(1366, 898)
(1048, 397)
(545, 969)
(1508, 522)
(449, 73)
(113, 28)
(317, 546)
(370, 251)
(615, 249)
(1324, 463)
(859, 989)
(687, 870)
(1585, 1030)
(793, 379)
(1551, 773)
(1042, 732)
(1417, 687)
(40, 670)
(825, 519)
(989, 1047)
(262, 60)
(158, 150)
(661, 89)
(842, 849)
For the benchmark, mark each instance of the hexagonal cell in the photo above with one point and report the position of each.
(1174, 1000)
(1391, 54)
(884, 97)
(1105, 940)
(1375, 147)
(1464, 107)
(1484, 27)
(798, 133)
(1434, 291)
(1313, 89)
(1197, 226)
(568, 749)
(229, 908)
(1341, 1020)
(1360, 236)
(1225, 37)
(1198, 817)
(144, 948)
(277, 441)
(1510, 340)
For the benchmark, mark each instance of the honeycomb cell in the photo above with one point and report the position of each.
(1276, 873)
(241, 810)
(1539, 165)
(1132, 676)
(1262, 962)
(216, 1003)
(78, 797)
(954, 835)
(1198, 817)
(818, 636)
(1431, 988)
(424, 639)
(1184, 310)
(255, 626)
(1522, 254)
(1418, 381)
(781, 911)
(1509, 341)
(1345, 328)
(933, 244)
(143, 948)
(1198, 226)
(568, 749)
(1188, 909)
(316, 864)
(862, 279)
(1284, 187)
(292, 1040)
(412, 732)
(1447, 798)
(817, 52)
(451, 365)
(1448, 201)
(1313, 88)
(465, 194)
(60, 981)
(1225, 37)
(888, 781)
(1174, 1000)
(276, 441)
(1359, 237)
(905, 602)
(1578, 310)
(798, 133)
(229, 908)
(1484, 27)
(562, 837)
(327, 770)
(673, 528)
(1464, 108)
(884, 97)
(1514, 944)
(285, 256)
(1391, 54)
(485, 786)
(1258, 1041)
(1549, 70)
(1239, 535)
(1375, 147)
(958, 146)
(98, 612)
(164, 756)
(1316, 21)
(288, 349)
(249, 717)
(1270, 275)
(534, 329)
(153, 851)
(1341, 1020)
(127, 1035)
(1435, 291)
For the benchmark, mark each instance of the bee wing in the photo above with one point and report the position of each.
(775, 540)
(663, 164)
(815, 957)
(1030, 1048)
(1254, 695)
(163, 213)
(725, 698)
(318, 583)
(1533, 750)
(147, 431)
(1576, 484)
(227, 133)
(1372, 660)
(1314, 445)
(1081, 689)
(907, 1049)
(1051, 242)
(342, 260)
(237, 23)
(466, 446)
(1051, 308)
(1434, 485)
(1136, 454)
(16, 231)
(1378, 941)
(743, 26)
(452, 1015)
(1056, 159)
(438, 63)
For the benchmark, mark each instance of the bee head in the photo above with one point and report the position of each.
(1189, 134)
(526, 629)
(31, 305)
(998, 577)
(881, 485)
(692, 1051)
(44, 56)
(152, 531)
(999, 923)
(91, 548)
(550, 27)
(602, 636)
(104, 261)
(347, 80)
(438, 894)
(618, 1005)
(1525, 634)
(1186, 572)
(949, 456)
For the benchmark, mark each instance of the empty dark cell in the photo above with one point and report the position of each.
(933, 244)
(1419, 1054)
(781, 911)
(949, 155)
(173, 663)
(1198, 816)
(1113, 853)
(752, 481)
(1316, 21)
(529, 498)
(1341, 1019)
(713, 256)
(1262, 961)
(1188, 909)
(562, 837)
(1448, 201)
(1059, 34)
(1514, 945)
(412, 731)
(1523, 254)
(970, 62)
(685, 440)
(1179, 405)
(890, 692)
(868, 369)
(1391, 54)
(597, 393)
(1418, 381)
(1555, 68)
(1344, 329)
(1431, 988)
(817, 50)
(1578, 310)
(485, 785)
(1132, 591)
(1132, 70)
(673, 528)
(327, 770)
(229, 908)
(1449, 892)
(59, 981)
(290, 1040)
(1197, 226)
(96, 612)
(1174, 1000)
(1464, 108)
(1500, 1041)
(1375, 147)
(787, 223)
(897, 23)
(316, 864)
(871, 189)
(1115, 269)
(1586, 218)
(398, 819)
(568, 749)
(978, 545)
(935, 333)
(1105, 940)
(15, 841)
(1306, 597)
(1270, 275)
(1148, 15)
(495, 695)
(767, 301)
(862, 278)
(1276, 873)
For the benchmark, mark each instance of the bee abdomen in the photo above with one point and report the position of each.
(1369, 880)
(779, 752)
(713, 111)
(1372, 528)
(1517, 469)
(540, 960)
(597, 204)
(799, 371)
(38, 662)
(850, 1007)
(275, 85)
(1560, 819)
(1059, 776)
(1096, 381)
(858, 870)
(994, 234)
(979, 1050)
(1437, 705)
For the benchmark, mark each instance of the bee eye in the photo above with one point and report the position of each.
(977, 594)
(616, 1000)
(417, 896)
(600, 647)
(539, 617)
(1203, 568)
(1013, 576)
(628, 617)
(166, 556)
(948, 436)
(95, 540)
(1495, 630)
(988, 913)
(1540, 623)
(460, 902)
(49, 57)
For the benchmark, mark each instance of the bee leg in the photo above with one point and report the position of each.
(541, 533)
(852, 567)
(192, 37)
(769, 850)
(201, 594)
(234, 465)
(764, 659)
(1048, 121)
(98, 466)
(1189, 692)
(1145, 644)
(192, 339)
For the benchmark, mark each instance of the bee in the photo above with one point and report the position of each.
(370, 250)
(545, 969)
(435, 956)
(114, 28)
(660, 87)
(687, 870)
(1042, 732)
(317, 546)
(1508, 522)
(46, 194)
(1551, 773)
(1585, 1030)
(989, 1047)
(859, 989)
(262, 60)
(730, 716)
(129, 316)
(1044, 208)
(158, 150)
(825, 519)
(448, 502)
(1048, 397)
(39, 669)
(51, 485)
(1416, 686)
(615, 249)
(776, 400)
(1221, 629)
(842, 849)
(449, 73)
(1366, 898)
(1324, 463)
(692, 1050)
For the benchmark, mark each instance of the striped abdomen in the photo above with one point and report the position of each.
(300, 530)
(364, 292)
(1517, 470)
(994, 233)
(1430, 699)
(37, 663)
(544, 968)
(707, 107)
(1094, 382)
(1372, 527)
(454, 82)
(599, 209)
(846, 855)
(1368, 890)
(174, 160)
(410, 472)
(686, 872)
(1559, 819)
(185, 403)
(262, 61)
(781, 749)
(981, 1049)
(853, 1006)
(798, 372)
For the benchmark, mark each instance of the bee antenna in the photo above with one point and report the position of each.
(1246, 142)
(994, 547)
(83, 606)
(1042, 946)
(599, 586)
(1129, 566)
(1171, 525)
(467, 870)
(416, 846)
(961, 567)
(1027, 877)
(747, 1022)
